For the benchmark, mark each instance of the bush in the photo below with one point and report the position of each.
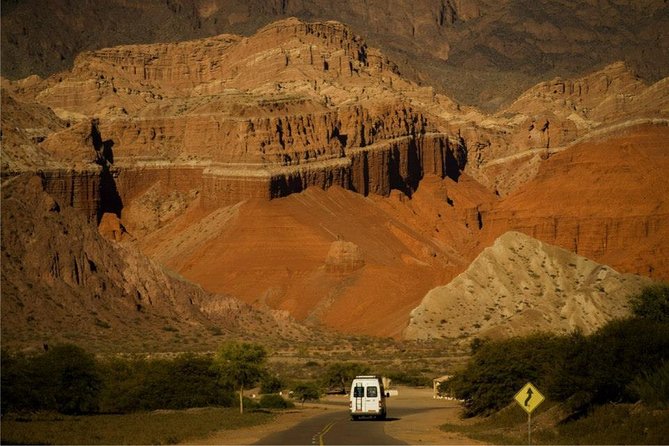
(339, 375)
(184, 382)
(273, 401)
(653, 388)
(69, 380)
(64, 379)
(598, 369)
(499, 369)
(19, 390)
(652, 303)
(271, 384)
(408, 378)
(306, 392)
(250, 403)
(621, 362)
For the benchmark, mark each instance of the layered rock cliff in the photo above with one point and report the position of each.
(294, 106)
(298, 171)
(603, 198)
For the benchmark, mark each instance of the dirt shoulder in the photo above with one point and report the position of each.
(423, 427)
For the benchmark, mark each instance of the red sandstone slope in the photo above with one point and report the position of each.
(290, 253)
(606, 198)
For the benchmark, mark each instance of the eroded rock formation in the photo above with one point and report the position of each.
(239, 162)
(520, 285)
(64, 282)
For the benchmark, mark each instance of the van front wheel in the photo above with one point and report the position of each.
(354, 418)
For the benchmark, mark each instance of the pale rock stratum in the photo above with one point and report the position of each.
(520, 285)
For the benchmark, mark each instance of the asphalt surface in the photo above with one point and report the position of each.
(336, 427)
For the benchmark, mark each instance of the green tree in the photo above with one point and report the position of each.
(185, 381)
(340, 374)
(19, 390)
(241, 364)
(599, 368)
(652, 303)
(270, 384)
(68, 379)
(306, 392)
(499, 369)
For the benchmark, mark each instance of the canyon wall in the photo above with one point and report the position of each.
(375, 169)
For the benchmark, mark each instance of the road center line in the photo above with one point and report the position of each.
(325, 430)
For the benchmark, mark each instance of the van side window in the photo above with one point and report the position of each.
(372, 392)
(358, 392)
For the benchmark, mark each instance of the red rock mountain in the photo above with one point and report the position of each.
(296, 169)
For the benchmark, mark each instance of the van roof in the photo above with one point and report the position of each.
(366, 377)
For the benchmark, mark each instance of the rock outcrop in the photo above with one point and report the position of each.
(520, 285)
(63, 282)
(294, 106)
(553, 115)
(344, 257)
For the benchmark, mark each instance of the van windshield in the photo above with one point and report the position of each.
(372, 392)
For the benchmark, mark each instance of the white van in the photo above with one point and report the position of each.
(368, 397)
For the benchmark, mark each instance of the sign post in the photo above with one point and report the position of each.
(529, 399)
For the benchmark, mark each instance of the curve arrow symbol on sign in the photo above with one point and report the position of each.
(529, 397)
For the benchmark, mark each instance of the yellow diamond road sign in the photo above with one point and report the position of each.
(529, 398)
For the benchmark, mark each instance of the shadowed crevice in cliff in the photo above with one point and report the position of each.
(405, 168)
(455, 160)
(110, 199)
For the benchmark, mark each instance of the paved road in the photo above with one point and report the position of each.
(335, 427)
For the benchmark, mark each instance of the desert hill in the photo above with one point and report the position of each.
(480, 52)
(297, 170)
(520, 285)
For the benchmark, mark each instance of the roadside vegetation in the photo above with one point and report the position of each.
(68, 395)
(592, 383)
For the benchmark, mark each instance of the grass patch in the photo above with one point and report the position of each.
(613, 424)
(159, 427)
(608, 424)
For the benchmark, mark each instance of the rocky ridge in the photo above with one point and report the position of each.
(246, 118)
(479, 51)
(520, 285)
